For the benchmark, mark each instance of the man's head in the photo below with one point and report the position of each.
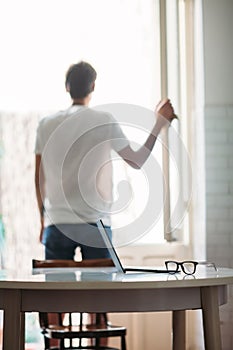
(80, 80)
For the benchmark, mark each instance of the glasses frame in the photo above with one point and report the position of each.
(181, 264)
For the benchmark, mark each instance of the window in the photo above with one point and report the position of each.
(173, 174)
(138, 49)
(43, 38)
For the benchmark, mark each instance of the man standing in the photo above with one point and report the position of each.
(73, 168)
(73, 174)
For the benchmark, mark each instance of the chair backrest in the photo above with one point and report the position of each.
(99, 329)
(72, 263)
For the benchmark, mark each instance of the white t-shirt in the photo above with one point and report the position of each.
(76, 148)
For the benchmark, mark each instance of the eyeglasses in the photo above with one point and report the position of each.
(188, 267)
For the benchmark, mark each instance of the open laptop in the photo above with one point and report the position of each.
(116, 259)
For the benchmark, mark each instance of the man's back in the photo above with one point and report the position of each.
(76, 156)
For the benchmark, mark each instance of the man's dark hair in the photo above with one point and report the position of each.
(80, 79)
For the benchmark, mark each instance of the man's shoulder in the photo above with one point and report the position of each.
(103, 115)
(84, 115)
(52, 117)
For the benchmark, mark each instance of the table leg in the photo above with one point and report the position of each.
(178, 329)
(13, 321)
(211, 321)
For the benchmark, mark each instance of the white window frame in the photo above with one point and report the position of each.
(185, 23)
(181, 242)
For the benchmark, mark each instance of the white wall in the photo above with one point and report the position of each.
(218, 67)
(218, 55)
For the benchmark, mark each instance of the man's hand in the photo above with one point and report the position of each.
(165, 113)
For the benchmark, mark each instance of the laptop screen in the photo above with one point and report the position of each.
(110, 246)
(116, 260)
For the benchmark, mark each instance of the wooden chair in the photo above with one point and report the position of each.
(101, 328)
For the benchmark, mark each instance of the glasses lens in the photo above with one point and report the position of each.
(172, 266)
(189, 267)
